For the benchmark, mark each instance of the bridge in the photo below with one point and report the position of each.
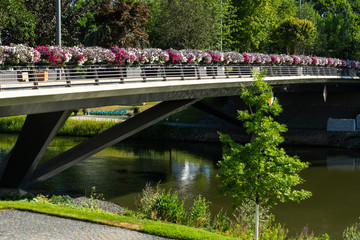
(48, 95)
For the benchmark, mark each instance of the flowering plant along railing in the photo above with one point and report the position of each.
(25, 67)
(16, 55)
(54, 76)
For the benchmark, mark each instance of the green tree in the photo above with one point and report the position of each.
(187, 24)
(74, 14)
(338, 32)
(17, 25)
(253, 22)
(120, 23)
(260, 171)
(294, 35)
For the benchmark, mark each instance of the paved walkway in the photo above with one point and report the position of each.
(16, 225)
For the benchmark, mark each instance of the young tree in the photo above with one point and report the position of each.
(260, 171)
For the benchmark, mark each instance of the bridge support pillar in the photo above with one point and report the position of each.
(35, 136)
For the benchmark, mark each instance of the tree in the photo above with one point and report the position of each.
(253, 22)
(339, 33)
(74, 14)
(120, 23)
(294, 35)
(17, 25)
(187, 24)
(260, 171)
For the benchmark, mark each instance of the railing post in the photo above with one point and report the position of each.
(226, 71)
(143, 73)
(182, 72)
(123, 73)
(197, 71)
(67, 77)
(163, 72)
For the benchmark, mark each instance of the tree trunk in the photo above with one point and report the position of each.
(257, 222)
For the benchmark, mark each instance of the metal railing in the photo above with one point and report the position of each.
(42, 77)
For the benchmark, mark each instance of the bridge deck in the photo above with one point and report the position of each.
(40, 90)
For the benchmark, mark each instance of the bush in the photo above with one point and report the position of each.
(146, 202)
(167, 207)
(352, 232)
(62, 200)
(200, 213)
(222, 222)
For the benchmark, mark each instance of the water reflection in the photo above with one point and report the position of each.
(343, 163)
(121, 172)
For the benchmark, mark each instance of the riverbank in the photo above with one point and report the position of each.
(155, 228)
(206, 132)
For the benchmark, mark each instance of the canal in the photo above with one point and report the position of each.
(121, 172)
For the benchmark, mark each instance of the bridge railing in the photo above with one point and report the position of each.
(42, 77)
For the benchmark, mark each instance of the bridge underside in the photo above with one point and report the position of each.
(21, 169)
(304, 108)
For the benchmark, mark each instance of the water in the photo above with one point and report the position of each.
(121, 172)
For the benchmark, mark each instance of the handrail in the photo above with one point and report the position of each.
(44, 77)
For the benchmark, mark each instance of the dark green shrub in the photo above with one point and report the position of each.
(61, 200)
(168, 208)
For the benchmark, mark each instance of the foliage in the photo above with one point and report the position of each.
(149, 196)
(200, 213)
(244, 216)
(74, 16)
(61, 200)
(338, 33)
(17, 25)
(186, 24)
(11, 124)
(294, 35)
(168, 208)
(222, 222)
(352, 232)
(84, 127)
(119, 23)
(260, 171)
(252, 23)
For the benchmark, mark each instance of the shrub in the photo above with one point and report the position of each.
(222, 222)
(146, 202)
(352, 232)
(167, 207)
(200, 213)
(61, 200)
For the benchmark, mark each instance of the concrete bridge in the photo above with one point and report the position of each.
(48, 96)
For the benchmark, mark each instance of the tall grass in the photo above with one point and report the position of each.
(85, 128)
(11, 124)
(154, 203)
(71, 127)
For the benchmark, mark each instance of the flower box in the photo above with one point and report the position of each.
(133, 72)
(23, 76)
(42, 75)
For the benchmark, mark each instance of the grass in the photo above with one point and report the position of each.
(148, 226)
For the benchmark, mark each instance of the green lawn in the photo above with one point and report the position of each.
(148, 226)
